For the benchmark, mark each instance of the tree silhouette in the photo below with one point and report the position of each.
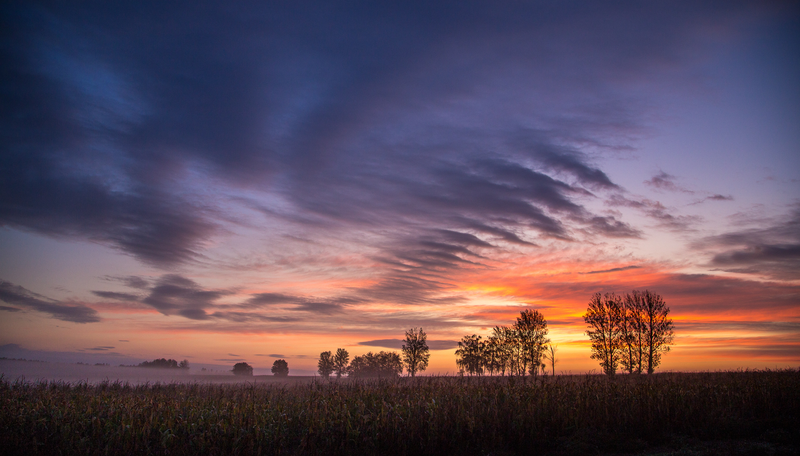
(415, 351)
(634, 331)
(325, 365)
(242, 369)
(531, 328)
(603, 317)
(382, 364)
(340, 362)
(165, 364)
(280, 368)
(550, 355)
(658, 328)
(470, 354)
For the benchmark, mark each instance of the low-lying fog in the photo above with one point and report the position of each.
(37, 371)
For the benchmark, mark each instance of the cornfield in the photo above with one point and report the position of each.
(426, 415)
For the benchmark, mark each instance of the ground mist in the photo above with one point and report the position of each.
(426, 415)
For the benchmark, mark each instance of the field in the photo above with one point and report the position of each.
(671, 413)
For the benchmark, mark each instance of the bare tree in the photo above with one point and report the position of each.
(603, 317)
(415, 351)
(658, 328)
(325, 365)
(550, 355)
(632, 333)
(340, 362)
(531, 328)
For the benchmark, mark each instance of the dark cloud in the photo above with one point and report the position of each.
(173, 294)
(16, 295)
(266, 299)
(116, 295)
(625, 268)
(115, 123)
(658, 212)
(664, 181)
(397, 344)
(319, 307)
(719, 197)
(100, 348)
(394, 344)
(135, 282)
(772, 251)
(9, 309)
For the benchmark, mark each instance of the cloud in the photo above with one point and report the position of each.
(397, 344)
(658, 212)
(719, 197)
(772, 250)
(173, 294)
(116, 295)
(104, 348)
(9, 309)
(384, 125)
(664, 181)
(16, 295)
(603, 271)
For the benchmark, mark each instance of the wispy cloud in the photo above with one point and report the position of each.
(397, 344)
(772, 251)
(603, 271)
(665, 181)
(19, 296)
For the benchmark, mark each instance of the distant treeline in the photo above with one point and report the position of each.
(165, 364)
(22, 359)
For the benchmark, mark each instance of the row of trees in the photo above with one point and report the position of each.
(514, 350)
(631, 331)
(382, 364)
(165, 364)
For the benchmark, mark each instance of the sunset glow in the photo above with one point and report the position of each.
(275, 180)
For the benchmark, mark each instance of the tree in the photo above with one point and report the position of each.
(633, 333)
(242, 369)
(382, 364)
(325, 365)
(280, 368)
(531, 328)
(470, 354)
(550, 355)
(658, 332)
(165, 364)
(603, 317)
(340, 362)
(415, 351)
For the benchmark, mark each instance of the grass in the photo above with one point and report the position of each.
(428, 415)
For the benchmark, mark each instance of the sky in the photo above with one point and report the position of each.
(253, 181)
